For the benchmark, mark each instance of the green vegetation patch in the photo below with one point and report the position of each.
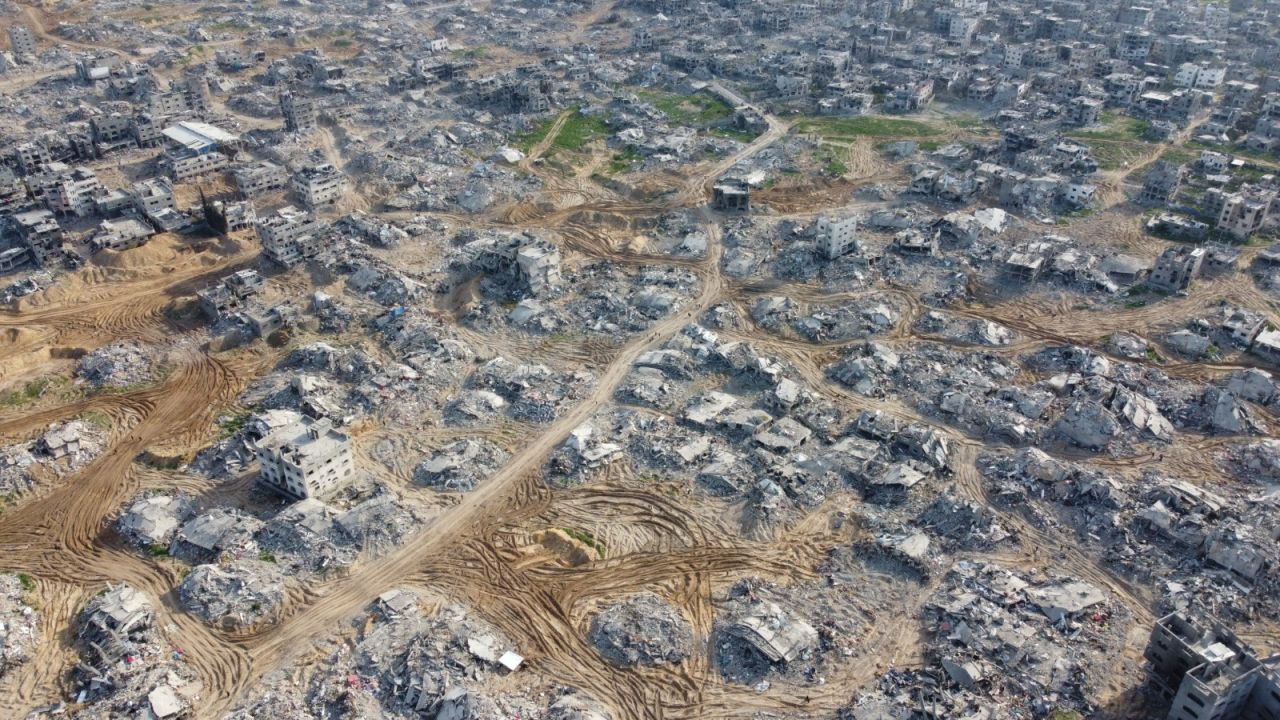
(697, 109)
(1115, 127)
(475, 53)
(587, 539)
(231, 426)
(743, 136)
(526, 140)
(866, 126)
(30, 391)
(621, 162)
(578, 131)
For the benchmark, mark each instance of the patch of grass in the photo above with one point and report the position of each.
(225, 25)
(622, 161)
(30, 391)
(475, 53)
(157, 550)
(866, 125)
(98, 419)
(160, 462)
(967, 121)
(1117, 128)
(578, 131)
(697, 109)
(233, 425)
(742, 136)
(526, 141)
(1179, 156)
(831, 162)
(1135, 304)
(1115, 155)
(342, 42)
(587, 539)
(27, 582)
(266, 556)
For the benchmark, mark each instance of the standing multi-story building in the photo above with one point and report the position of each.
(259, 178)
(305, 459)
(1176, 268)
(299, 112)
(39, 232)
(153, 196)
(319, 185)
(76, 192)
(289, 236)
(1207, 672)
(22, 42)
(836, 237)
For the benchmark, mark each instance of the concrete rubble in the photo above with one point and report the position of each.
(125, 664)
(121, 365)
(19, 624)
(460, 465)
(642, 630)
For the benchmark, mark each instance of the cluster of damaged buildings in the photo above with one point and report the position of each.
(59, 203)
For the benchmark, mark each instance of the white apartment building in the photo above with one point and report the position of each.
(837, 237)
(194, 166)
(319, 185)
(305, 459)
(289, 236)
(259, 178)
(76, 192)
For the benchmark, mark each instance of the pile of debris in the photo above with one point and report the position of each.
(528, 393)
(642, 630)
(124, 663)
(64, 448)
(238, 594)
(1253, 461)
(152, 520)
(869, 315)
(759, 637)
(407, 665)
(461, 465)
(957, 328)
(1023, 640)
(19, 623)
(119, 365)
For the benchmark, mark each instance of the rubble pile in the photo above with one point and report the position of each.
(63, 448)
(19, 624)
(642, 630)
(956, 328)
(460, 466)
(872, 314)
(125, 667)
(407, 665)
(756, 638)
(528, 393)
(239, 594)
(152, 520)
(1023, 641)
(119, 365)
(1253, 461)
